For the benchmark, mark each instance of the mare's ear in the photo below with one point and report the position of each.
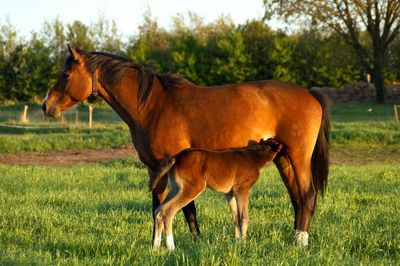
(74, 53)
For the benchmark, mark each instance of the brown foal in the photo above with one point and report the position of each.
(232, 172)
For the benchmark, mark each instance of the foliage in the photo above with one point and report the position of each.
(207, 54)
(369, 26)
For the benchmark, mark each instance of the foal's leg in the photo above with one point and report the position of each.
(158, 195)
(159, 219)
(233, 206)
(242, 198)
(158, 228)
(185, 193)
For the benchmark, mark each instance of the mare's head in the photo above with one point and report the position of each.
(74, 84)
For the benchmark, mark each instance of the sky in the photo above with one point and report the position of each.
(28, 15)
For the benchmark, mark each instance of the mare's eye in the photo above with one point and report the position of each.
(66, 75)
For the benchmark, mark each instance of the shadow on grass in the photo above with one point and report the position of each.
(125, 162)
(124, 205)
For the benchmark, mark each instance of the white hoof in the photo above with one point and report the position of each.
(157, 243)
(301, 238)
(170, 242)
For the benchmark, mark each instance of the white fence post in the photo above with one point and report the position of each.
(90, 116)
(24, 118)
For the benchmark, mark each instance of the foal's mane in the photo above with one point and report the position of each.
(114, 68)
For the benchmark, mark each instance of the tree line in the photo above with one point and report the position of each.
(205, 53)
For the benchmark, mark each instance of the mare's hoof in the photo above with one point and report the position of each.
(301, 238)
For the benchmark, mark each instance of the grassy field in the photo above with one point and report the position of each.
(100, 213)
(353, 126)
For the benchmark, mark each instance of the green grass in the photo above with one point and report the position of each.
(100, 214)
(72, 137)
(356, 112)
(45, 134)
(352, 126)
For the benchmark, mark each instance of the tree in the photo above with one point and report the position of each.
(379, 20)
(106, 36)
(259, 41)
(78, 34)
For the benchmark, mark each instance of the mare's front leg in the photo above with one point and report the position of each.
(190, 215)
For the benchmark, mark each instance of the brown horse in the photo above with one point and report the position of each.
(232, 172)
(166, 114)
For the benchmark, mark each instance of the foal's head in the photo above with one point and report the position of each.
(265, 150)
(272, 143)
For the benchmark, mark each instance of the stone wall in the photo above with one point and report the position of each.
(358, 92)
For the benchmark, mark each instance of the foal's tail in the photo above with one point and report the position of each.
(165, 166)
(320, 156)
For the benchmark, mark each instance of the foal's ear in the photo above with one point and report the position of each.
(74, 53)
(254, 147)
(252, 143)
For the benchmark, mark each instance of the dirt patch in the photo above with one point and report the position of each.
(65, 158)
(340, 155)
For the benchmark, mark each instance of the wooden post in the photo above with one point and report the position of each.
(90, 116)
(24, 118)
(396, 117)
(369, 79)
(76, 117)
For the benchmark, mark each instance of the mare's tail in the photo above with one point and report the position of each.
(320, 156)
(165, 166)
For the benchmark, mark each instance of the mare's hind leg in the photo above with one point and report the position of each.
(298, 181)
(307, 197)
(234, 209)
(287, 174)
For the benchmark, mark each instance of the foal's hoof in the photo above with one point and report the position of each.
(301, 238)
(170, 243)
(156, 243)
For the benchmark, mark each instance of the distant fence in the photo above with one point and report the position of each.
(358, 92)
(361, 92)
(32, 115)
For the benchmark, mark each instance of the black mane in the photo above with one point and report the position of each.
(114, 68)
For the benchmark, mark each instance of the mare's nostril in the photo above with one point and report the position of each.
(44, 107)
